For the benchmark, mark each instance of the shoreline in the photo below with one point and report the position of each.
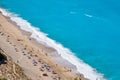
(55, 56)
(47, 50)
(13, 24)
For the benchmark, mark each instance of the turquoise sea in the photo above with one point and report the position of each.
(89, 29)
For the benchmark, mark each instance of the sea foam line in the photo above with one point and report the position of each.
(65, 53)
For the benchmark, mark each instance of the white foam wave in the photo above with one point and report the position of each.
(88, 15)
(82, 67)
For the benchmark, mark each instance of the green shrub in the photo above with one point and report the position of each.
(3, 79)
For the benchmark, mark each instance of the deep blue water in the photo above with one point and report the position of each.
(91, 29)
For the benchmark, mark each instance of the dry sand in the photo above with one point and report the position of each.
(33, 57)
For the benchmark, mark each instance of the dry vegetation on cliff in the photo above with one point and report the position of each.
(11, 71)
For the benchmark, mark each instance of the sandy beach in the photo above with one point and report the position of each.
(38, 61)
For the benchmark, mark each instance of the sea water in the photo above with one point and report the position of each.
(90, 30)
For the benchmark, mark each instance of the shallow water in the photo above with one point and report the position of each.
(90, 29)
